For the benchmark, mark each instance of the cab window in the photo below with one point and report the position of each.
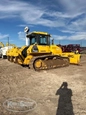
(33, 40)
(43, 40)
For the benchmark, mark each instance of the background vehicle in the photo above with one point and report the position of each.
(40, 54)
(71, 48)
(4, 49)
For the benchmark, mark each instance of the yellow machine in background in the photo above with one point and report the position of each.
(7, 44)
(1, 45)
(40, 54)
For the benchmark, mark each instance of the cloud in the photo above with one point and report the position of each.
(68, 31)
(21, 35)
(76, 36)
(68, 16)
(28, 13)
(73, 7)
(3, 36)
(56, 37)
(32, 14)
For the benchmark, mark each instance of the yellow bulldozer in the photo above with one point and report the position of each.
(40, 54)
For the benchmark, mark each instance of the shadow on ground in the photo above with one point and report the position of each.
(64, 106)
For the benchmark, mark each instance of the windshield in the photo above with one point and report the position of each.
(44, 40)
(40, 39)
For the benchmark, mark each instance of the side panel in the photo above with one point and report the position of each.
(56, 50)
(40, 49)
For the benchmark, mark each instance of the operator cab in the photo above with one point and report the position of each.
(40, 38)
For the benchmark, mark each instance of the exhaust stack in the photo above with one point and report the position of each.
(27, 41)
(26, 30)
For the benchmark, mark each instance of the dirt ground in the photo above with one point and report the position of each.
(44, 88)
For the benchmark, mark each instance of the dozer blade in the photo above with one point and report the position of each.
(74, 58)
(48, 62)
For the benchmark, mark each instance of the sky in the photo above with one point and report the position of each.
(65, 20)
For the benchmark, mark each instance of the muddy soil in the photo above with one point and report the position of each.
(44, 87)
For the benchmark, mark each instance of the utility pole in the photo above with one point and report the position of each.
(8, 40)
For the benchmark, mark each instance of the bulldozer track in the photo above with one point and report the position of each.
(50, 62)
